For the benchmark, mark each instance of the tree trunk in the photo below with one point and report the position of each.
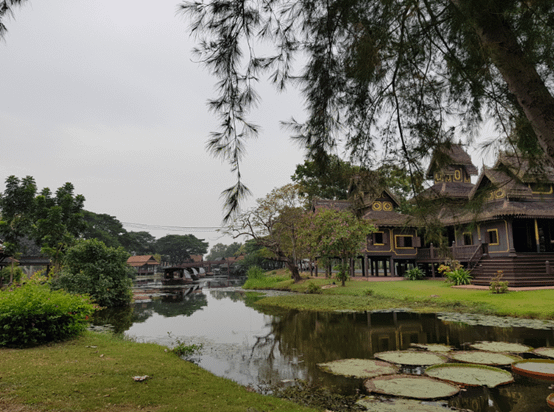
(519, 73)
(295, 274)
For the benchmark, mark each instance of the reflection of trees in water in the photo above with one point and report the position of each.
(234, 295)
(321, 337)
(120, 318)
(176, 305)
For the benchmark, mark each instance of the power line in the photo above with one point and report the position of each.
(173, 228)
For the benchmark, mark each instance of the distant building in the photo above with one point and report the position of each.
(144, 265)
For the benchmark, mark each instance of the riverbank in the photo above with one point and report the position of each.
(359, 294)
(95, 373)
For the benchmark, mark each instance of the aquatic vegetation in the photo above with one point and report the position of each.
(410, 386)
(470, 375)
(432, 347)
(501, 347)
(542, 369)
(410, 357)
(359, 368)
(402, 405)
(485, 358)
(546, 352)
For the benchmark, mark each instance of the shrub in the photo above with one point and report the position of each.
(497, 285)
(368, 291)
(100, 271)
(33, 314)
(255, 272)
(313, 288)
(459, 276)
(185, 351)
(5, 274)
(414, 274)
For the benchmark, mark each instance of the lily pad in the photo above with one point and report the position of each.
(359, 368)
(550, 400)
(470, 375)
(402, 405)
(413, 358)
(546, 352)
(433, 347)
(501, 347)
(542, 369)
(485, 358)
(410, 386)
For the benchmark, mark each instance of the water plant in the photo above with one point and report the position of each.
(470, 375)
(411, 357)
(500, 347)
(485, 358)
(359, 368)
(183, 350)
(410, 386)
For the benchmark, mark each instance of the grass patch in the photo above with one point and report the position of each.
(422, 295)
(94, 372)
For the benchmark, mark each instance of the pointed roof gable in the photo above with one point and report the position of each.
(446, 157)
(142, 260)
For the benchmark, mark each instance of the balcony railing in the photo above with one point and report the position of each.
(461, 253)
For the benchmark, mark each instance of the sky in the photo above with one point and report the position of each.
(106, 95)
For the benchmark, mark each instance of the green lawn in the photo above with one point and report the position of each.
(424, 295)
(94, 373)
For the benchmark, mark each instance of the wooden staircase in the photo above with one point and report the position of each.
(523, 270)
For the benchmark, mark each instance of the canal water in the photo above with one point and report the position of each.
(264, 349)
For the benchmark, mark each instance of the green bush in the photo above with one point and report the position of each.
(255, 272)
(368, 291)
(5, 274)
(459, 276)
(33, 314)
(414, 274)
(100, 271)
(313, 288)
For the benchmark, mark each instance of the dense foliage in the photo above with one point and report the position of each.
(386, 79)
(102, 272)
(33, 314)
(220, 251)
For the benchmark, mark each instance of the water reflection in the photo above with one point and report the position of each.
(255, 348)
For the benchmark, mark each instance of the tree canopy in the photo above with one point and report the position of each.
(219, 251)
(402, 76)
(177, 249)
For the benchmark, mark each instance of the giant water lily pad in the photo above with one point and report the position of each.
(359, 368)
(546, 352)
(402, 405)
(433, 347)
(501, 347)
(535, 368)
(410, 386)
(470, 375)
(485, 358)
(412, 358)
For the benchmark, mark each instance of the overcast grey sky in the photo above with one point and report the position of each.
(104, 94)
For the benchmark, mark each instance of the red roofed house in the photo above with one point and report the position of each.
(145, 265)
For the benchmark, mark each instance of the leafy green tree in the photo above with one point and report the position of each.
(177, 249)
(59, 220)
(274, 224)
(328, 179)
(102, 272)
(404, 75)
(17, 204)
(336, 234)
(139, 243)
(103, 227)
(219, 250)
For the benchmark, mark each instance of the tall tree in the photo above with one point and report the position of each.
(139, 243)
(405, 75)
(219, 250)
(177, 249)
(17, 204)
(328, 179)
(58, 221)
(336, 234)
(274, 224)
(103, 227)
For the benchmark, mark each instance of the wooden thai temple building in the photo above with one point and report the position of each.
(509, 226)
